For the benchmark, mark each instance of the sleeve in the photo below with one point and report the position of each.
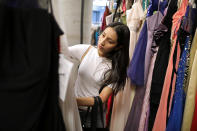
(107, 66)
(76, 52)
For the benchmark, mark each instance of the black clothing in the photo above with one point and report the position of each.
(29, 87)
(161, 64)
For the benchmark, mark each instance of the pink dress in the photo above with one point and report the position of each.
(160, 120)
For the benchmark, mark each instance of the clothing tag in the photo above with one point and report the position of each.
(65, 67)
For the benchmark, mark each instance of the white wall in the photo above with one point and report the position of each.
(69, 11)
(87, 21)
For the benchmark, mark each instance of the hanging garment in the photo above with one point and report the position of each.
(161, 62)
(136, 66)
(109, 110)
(176, 115)
(109, 19)
(29, 70)
(192, 21)
(145, 4)
(192, 28)
(153, 6)
(123, 100)
(152, 23)
(124, 6)
(138, 56)
(162, 110)
(194, 126)
(182, 34)
(137, 62)
(143, 125)
(135, 17)
(146, 105)
(106, 13)
(158, 34)
(186, 24)
(190, 97)
(179, 3)
(68, 101)
(129, 4)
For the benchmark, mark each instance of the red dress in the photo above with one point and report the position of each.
(106, 13)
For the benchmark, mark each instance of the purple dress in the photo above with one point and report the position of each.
(137, 65)
(136, 73)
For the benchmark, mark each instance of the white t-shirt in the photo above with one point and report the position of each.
(91, 70)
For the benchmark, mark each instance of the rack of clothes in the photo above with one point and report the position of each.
(160, 93)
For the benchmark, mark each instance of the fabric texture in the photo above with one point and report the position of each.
(151, 52)
(161, 62)
(68, 103)
(136, 66)
(176, 114)
(123, 100)
(162, 110)
(106, 13)
(190, 96)
(136, 73)
(29, 70)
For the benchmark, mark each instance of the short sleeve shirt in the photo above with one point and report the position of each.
(91, 70)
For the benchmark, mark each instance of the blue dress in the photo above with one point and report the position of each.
(136, 73)
(176, 115)
(136, 67)
(137, 64)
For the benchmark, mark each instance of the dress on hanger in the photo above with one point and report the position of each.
(123, 100)
(106, 13)
(161, 62)
(152, 23)
(68, 103)
(182, 34)
(162, 110)
(138, 59)
(136, 67)
(176, 114)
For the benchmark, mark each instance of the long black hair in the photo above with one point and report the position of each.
(117, 75)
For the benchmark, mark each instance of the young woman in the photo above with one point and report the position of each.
(102, 70)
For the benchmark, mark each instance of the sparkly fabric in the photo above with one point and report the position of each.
(192, 87)
(162, 40)
(161, 117)
(187, 68)
(176, 115)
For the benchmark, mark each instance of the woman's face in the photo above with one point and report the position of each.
(107, 41)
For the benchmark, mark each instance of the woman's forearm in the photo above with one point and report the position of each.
(89, 101)
(85, 101)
